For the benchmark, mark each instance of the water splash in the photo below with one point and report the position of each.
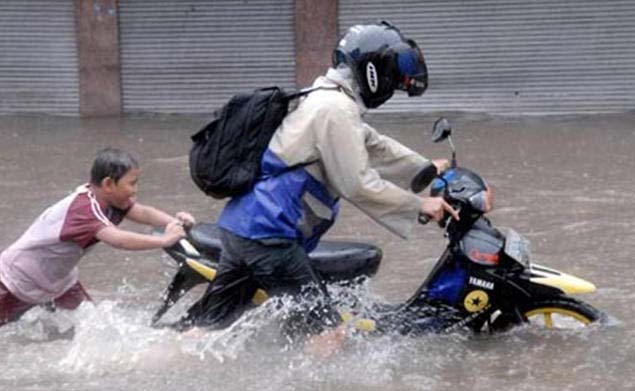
(112, 338)
(114, 345)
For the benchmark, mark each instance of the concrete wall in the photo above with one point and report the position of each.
(100, 66)
(504, 57)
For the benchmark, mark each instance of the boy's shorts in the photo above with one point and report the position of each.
(12, 308)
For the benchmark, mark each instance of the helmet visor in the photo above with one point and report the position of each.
(412, 69)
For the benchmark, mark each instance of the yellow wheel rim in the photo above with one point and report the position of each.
(547, 315)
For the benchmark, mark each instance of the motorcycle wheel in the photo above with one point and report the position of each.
(554, 313)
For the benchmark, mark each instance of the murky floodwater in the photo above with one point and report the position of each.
(567, 183)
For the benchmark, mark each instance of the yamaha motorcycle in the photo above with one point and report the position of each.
(485, 280)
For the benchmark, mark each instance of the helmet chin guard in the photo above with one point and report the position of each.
(382, 60)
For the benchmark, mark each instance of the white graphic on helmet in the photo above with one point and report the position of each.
(371, 77)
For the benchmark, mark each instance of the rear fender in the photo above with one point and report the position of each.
(208, 271)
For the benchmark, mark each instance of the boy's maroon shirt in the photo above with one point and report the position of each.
(42, 264)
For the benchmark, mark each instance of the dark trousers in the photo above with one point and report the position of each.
(279, 266)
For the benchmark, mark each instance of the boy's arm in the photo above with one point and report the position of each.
(148, 215)
(127, 240)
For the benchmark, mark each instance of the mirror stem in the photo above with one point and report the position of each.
(453, 163)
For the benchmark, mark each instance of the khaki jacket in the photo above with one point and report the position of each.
(352, 159)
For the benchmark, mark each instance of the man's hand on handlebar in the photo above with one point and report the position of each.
(435, 208)
(441, 165)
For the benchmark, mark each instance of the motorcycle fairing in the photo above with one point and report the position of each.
(566, 283)
(517, 247)
(482, 246)
(465, 186)
(448, 284)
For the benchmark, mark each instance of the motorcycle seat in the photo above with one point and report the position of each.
(332, 260)
(206, 237)
(343, 260)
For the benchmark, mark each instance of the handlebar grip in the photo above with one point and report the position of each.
(423, 178)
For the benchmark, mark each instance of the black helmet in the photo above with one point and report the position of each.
(382, 60)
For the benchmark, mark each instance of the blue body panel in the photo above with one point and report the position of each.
(448, 284)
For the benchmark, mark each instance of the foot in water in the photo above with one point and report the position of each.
(327, 343)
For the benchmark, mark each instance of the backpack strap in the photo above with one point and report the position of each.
(307, 91)
(296, 95)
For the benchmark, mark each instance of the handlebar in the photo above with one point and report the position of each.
(423, 178)
(424, 219)
(420, 182)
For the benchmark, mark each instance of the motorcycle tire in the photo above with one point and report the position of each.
(552, 313)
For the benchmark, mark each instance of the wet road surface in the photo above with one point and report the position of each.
(566, 182)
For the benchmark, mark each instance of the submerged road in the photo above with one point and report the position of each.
(565, 182)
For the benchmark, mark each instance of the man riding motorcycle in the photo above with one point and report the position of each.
(322, 151)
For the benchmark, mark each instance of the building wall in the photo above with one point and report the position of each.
(190, 56)
(515, 56)
(38, 57)
(111, 57)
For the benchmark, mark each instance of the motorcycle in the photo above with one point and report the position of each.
(197, 257)
(484, 280)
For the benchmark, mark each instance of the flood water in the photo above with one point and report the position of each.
(566, 182)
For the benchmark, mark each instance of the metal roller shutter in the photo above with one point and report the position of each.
(515, 56)
(38, 57)
(191, 56)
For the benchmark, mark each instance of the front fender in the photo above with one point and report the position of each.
(564, 282)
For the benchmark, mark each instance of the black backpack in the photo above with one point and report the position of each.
(226, 155)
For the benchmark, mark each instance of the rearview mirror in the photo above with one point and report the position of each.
(442, 129)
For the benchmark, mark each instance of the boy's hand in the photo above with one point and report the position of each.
(185, 219)
(173, 233)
